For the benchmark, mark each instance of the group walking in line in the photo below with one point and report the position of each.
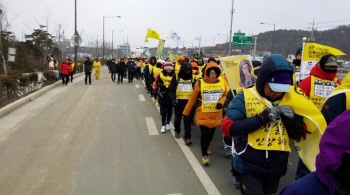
(258, 121)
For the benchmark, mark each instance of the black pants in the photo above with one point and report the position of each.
(113, 76)
(130, 76)
(120, 77)
(65, 79)
(207, 135)
(87, 75)
(71, 76)
(166, 110)
(177, 121)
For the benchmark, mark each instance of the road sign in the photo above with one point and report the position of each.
(241, 40)
(239, 34)
(79, 40)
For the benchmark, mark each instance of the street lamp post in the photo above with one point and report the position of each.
(103, 36)
(225, 43)
(112, 41)
(273, 35)
(127, 43)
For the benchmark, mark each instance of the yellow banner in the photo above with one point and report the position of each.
(160, 48)
(233, 69)
(152, 34)
(312, 53)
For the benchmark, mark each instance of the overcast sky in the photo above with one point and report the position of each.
(189, 18)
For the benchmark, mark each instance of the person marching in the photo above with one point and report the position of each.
(65, 70)
(322, 80)
(262, 119)
(112, 66)
(155, 71)
(152, 64)
(317, 87)
(97, 68)
(87, 70)
(181, 87)
(211, 92)
(131, 69)
(72, 71)
(121, 70)
(180, 59)
(163, 82)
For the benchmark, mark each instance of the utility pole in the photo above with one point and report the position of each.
(230, 43)
(2, 55)
(75, 38)
(312, 30)
(199, 47)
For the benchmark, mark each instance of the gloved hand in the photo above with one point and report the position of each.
(270, 115)
(218, 106)
(286, 112)
(174, 102)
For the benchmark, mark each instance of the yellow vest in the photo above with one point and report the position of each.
(320, 89)
(166, 79)
(315, 123)
(150, 68)
(184, 89)
(211, 93)
(177, 68)
(271, 136)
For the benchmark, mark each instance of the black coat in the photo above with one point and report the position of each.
(121, 67)
(87, 66)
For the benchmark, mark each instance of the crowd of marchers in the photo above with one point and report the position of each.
(261, 121)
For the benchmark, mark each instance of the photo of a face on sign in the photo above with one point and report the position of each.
(238, 71)
(246, 77)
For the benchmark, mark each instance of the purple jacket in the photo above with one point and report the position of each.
(334, 144)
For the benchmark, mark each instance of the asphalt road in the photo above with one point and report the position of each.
(105, 138)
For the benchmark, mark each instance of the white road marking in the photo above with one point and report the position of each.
(197, 167)
(137, 86)
(141, 98)
(151, 126)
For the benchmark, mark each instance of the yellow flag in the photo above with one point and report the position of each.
(160, 48)
(312, 53)
(152, 34)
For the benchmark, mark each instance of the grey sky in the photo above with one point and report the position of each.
(189, 18)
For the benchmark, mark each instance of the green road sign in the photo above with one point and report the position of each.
(241, 40)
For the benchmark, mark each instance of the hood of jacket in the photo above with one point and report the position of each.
(153, 60)
(211, 66)
(185, 66)
(269, 66)
(318, 72)
(333, 145)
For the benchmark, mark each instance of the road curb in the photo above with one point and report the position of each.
(31, 97)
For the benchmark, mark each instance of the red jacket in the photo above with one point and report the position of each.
(66, 68)
(305, 84)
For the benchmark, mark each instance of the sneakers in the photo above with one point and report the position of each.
(205, 160)
(177, 135)
(236, 183)
(167, 127)
(162, 129)
(209, 151)
(188, 141)
(228, 151)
